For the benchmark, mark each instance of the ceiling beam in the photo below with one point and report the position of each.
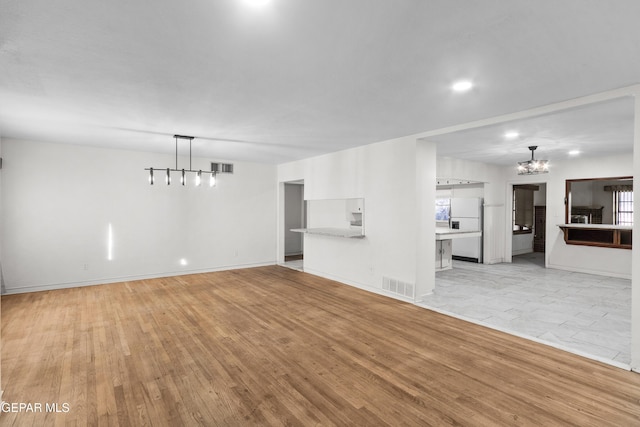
(633, 90)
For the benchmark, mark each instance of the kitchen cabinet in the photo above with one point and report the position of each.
(444, 237)
(443, 255)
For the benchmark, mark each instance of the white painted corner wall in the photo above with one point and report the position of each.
(60, 200)
(1, 273)
(384, 175)
(635, 281)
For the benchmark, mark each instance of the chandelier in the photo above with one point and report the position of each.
(183, 172)
(533, 166)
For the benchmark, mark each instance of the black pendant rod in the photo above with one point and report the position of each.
(180, 170)
(190, 138)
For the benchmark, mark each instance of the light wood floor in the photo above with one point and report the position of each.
(273, 346)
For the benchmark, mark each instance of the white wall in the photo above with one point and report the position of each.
(582, 193)
(592, 194)
(59, 200)
(522, 244)
(1, 274)
(1, 235)
(463, 191)
(635, 281)
(384, 175)
(540, 196)
(425, 195)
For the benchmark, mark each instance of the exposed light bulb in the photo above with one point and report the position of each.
(256, 3)
(199, 178)
(212, 180)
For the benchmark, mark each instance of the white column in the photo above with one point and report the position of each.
(426, 223)
(280, 224)
(635, 256)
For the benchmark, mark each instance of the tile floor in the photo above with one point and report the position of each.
(586, 314)
(296, 264)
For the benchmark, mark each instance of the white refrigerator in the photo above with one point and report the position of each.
(467, 214)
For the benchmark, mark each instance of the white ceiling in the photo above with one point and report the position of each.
(304, 77)
(594, 130)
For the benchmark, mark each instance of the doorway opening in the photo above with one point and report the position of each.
(294, 218)
(529, 223)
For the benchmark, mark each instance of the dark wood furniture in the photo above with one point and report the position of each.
(608, 236)
(539, 228)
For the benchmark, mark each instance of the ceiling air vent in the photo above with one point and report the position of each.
(222, 167)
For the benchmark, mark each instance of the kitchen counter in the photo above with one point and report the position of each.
(443, 233)
(597, 226)
(352, 233)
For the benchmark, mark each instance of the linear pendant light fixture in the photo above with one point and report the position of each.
(533, 166)
(183, 172)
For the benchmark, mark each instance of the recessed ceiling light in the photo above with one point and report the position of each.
(462, 86)
(512, 134)
(574, 152)
(256, 3)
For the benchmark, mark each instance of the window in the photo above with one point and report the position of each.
(623, 205)
(443, 209)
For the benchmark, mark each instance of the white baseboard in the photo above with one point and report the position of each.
(423, 296)
(587, 271)
(358, 285)
(108, 280)
(294, 253)
(521, 251)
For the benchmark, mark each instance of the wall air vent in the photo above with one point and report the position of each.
(221, 167)
(398, 287)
